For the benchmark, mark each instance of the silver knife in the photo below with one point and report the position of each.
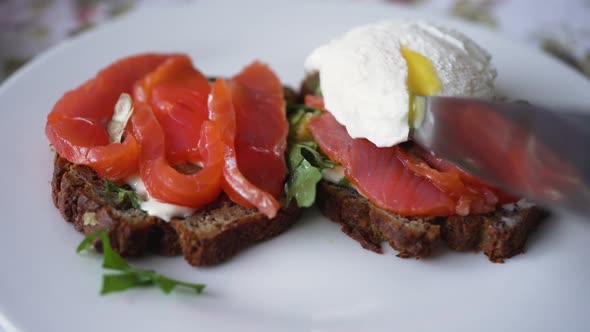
(527, 150)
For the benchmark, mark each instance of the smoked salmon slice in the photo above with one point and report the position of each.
(400, 179)
(77, 124)
(237, 134)
(165, 183)
(234, 183)
(178, 95)
(261, 127)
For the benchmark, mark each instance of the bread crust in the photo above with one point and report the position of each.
(79, 195)
(500, 235)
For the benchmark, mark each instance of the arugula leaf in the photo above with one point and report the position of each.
(299, 117)
(167, 285)
(121, 195)
(129, 277)
(304, 160)
(117, 282)
(310, 153)
(294, 107)
(311, 83)
(305, 171)
(344, 182)
(88, 241)
(296, 116)
(302, 184)
(112, 260)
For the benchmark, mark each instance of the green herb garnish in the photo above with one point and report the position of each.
(311, 84)
(129, 276)
(299, 117)
(121, 195)
(305, 171)
(294, 107)
(344, 182)
(304, 160)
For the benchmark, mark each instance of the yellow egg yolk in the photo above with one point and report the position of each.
(422, 78)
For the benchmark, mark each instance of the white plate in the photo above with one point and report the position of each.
(313, 278)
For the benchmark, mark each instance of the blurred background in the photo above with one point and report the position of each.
(559, 27)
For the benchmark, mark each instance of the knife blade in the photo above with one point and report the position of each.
(530, 151)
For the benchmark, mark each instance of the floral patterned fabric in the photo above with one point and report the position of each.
(560, 27)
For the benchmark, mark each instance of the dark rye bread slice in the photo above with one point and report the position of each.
(500, 235)
(209, 236)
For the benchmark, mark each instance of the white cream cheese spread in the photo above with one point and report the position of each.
(334, 175)
(154, 207)
(511, 216)
(363, 75)
(121, 115)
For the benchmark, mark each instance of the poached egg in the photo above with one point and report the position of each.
(369, 75)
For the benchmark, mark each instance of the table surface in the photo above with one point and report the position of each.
(560, 27)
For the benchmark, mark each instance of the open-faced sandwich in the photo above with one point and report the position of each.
(351, 138)
(168, 162)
